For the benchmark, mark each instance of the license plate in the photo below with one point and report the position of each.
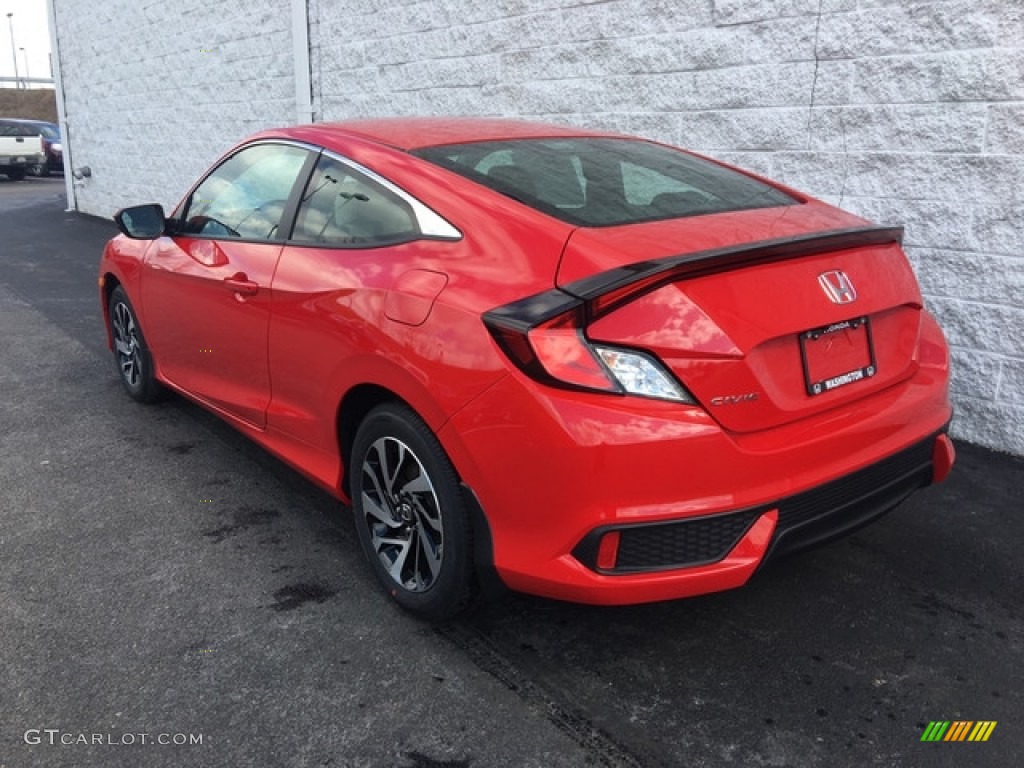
(19, 160)
(836, 355)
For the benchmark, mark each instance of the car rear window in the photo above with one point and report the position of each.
(601, 182)
(17, 129)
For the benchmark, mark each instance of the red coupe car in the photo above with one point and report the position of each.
(576, 364)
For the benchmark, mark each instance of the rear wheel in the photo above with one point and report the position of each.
(15, 174)
(410, 514)
(134, 363)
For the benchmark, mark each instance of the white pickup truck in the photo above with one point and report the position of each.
(21, 148)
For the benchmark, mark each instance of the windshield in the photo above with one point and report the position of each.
(599, 182)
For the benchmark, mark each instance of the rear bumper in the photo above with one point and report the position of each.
(801, 521)
(21, 161)
(698, 509)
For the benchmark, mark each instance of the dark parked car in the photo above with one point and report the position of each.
(52, 144)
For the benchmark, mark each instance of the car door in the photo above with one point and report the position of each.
(206, 287)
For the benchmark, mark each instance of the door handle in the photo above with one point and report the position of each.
(241, 284)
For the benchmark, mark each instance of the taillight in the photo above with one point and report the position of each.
(545, 337)
(568, 358)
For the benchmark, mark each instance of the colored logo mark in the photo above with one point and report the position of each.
(958, 730)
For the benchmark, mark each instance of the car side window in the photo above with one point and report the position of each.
(246, 195)
(344, 207)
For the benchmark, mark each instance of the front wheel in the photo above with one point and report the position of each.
(410, 514)
(134, 363)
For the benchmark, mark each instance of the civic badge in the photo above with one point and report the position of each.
(837, 286)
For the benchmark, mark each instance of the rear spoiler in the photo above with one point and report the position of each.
(730, 257)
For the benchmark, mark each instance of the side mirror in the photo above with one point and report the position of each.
(142, 222)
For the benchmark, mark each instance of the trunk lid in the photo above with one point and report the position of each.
(765, 316)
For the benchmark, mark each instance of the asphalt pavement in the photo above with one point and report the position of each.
(164, 580)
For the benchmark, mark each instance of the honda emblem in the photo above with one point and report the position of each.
(837, 287)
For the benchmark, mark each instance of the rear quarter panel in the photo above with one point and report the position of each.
(330, 331)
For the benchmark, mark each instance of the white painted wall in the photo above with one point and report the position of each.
(905, 111)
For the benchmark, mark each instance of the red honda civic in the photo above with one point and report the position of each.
(576, 364)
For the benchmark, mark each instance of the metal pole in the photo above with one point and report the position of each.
(14, 51)
(24, 56)
(62, 110)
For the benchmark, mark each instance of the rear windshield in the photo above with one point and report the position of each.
(598, 182)
(17, 129)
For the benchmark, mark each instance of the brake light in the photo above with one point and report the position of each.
(545, 337)
(567, 357)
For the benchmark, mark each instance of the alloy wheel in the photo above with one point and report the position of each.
(126, 344)
(402, 514)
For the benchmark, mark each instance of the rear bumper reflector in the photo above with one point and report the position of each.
(943, 456)
(608, 550)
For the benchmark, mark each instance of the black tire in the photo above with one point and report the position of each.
(131, 355)
(410, 514)
(15, 174)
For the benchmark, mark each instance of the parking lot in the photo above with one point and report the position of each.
(162, 577)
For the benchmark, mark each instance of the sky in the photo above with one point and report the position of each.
(31, 32)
